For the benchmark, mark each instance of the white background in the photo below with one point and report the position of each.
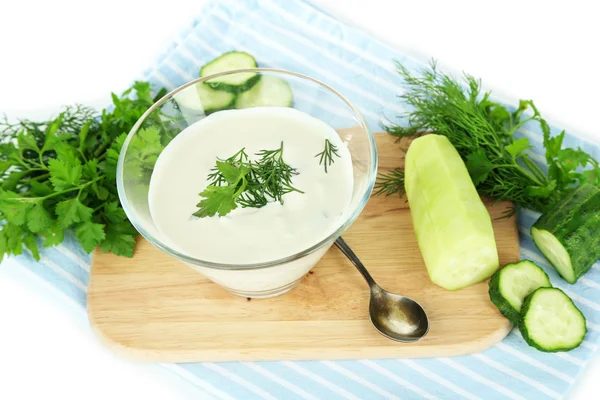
(61, 52)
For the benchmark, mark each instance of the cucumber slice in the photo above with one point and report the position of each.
(227, 62)
(269, 91)
(567, 234)
(551, 322)
(453, 227)
(512, 283)
(201, 97)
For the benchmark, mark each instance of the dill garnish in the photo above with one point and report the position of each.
(326, 156)
(247, 183)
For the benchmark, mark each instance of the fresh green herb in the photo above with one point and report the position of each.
(223, 199)
(326, 156)
(60, 175)
(483, 132)
(247, 183)
(390, 183)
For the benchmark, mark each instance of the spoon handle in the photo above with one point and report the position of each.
(343, 246)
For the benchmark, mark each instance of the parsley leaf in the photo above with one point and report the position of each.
(29, 242)
(221, 200)
(66, 153)
(26, 141)
(479, 166)
(230, 172)
(542, 191)
(89, 235)
(72, 211)
(3, 246)
(64, 175)
(518, 146)
(553, 146)
(40, 189)
(217, 199)
(14, 238)
(54, 235)
(14, 210)
(11, 182)
(90, 169)
(573, 158)
(119, 239)
(114, 213)
(112, 157)
(38, 218)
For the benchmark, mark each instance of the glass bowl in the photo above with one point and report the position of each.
(183, 107)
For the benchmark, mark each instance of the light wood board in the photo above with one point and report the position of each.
(155, 308)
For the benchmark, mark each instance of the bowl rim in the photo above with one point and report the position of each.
(265, 264)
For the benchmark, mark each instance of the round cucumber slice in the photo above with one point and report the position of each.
(203, 98)
(551, 322)
(229, 61)
(511, 284)
(269, 91)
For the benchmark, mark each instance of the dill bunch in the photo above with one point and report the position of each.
(483, 133)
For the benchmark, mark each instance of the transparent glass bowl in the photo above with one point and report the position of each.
(183, 107)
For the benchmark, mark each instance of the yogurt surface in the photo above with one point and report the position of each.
(251, 235)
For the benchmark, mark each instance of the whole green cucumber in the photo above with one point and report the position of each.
(568, 234)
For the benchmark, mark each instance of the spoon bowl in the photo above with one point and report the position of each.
(396, 317)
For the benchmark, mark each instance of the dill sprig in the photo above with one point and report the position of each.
(238, 180)
(271, 179)
(326, 156)
(390, 183)
(483, 132)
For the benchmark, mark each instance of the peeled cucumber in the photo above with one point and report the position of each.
(453, 227)
(568, 234)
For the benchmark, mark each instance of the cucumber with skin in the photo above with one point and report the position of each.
(201, 97)
(269, 91)
(512, 283)
(551, 322)
(568, 234)
(453, 227)
(235, 83)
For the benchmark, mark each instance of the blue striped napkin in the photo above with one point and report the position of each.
(294, 35)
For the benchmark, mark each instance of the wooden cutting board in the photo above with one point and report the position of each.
(155, 308)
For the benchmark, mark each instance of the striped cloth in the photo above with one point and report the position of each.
(294, 35)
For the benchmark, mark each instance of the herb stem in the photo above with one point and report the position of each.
(519, 125)
(101, 150)
(80, 187)
(534, 168)
(43, 176)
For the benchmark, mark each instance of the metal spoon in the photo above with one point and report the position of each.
(395, 317)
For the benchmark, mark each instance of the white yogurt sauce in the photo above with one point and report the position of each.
(250, 235)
